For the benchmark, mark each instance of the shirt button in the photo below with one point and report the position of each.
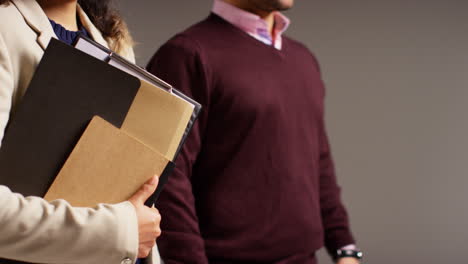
(126, 261)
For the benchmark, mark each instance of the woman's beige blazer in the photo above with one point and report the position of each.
(31, 229)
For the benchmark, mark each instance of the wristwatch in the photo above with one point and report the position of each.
(347, 253)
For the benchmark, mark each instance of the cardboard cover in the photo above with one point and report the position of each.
(158, 119)
(106, 166)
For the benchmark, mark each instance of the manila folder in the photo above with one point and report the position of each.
(106, 166)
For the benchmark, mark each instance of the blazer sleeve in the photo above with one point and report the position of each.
(34, 230)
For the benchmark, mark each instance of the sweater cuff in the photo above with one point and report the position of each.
(338, 241)
(127, 224)
(350, 247)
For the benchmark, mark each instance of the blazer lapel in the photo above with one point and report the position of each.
(37, 20)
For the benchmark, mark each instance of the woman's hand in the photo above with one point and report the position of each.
(148, 218)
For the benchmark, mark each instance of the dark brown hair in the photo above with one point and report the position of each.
(107, 19)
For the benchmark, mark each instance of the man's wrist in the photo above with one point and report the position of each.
(349, 251)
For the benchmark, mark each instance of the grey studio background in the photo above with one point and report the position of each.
(397, 78)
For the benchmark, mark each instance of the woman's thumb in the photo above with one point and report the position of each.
(145, 191)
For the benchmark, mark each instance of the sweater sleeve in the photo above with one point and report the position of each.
(334, 216)
(179, 63)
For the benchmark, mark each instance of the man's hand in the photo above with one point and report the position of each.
(347, 261)
(148, 218)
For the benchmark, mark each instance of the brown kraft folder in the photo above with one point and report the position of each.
(106, 166)
(158, 119)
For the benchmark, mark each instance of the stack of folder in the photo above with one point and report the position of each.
(93, 127)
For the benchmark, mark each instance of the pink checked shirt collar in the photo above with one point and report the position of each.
(253, 24)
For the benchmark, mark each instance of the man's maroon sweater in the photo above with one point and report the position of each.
(255, 181)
